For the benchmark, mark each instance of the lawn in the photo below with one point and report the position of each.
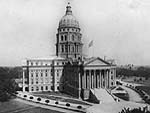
(12, 105)
(19, 107)
(53, 93)
(39, 110)
(61, 99)
(144, 88)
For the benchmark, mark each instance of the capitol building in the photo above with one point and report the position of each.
(69, 71)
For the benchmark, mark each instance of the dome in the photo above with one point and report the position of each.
(68, 20)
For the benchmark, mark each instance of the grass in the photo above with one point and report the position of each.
(145, 89)
(69, 100)
(39, 110)
(53, 93)
(13, 105)
(122, 96)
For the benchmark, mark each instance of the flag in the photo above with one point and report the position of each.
(91, 43)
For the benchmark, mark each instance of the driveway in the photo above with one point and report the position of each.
(133, 96)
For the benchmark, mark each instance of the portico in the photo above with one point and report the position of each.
(97, 74)
(95, 78)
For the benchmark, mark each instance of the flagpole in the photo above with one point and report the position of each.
(93, 49)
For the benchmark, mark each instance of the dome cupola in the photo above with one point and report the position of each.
(68, 20)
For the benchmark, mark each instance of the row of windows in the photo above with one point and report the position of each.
(38, 88)
(67, 29)
(65, 38)
(40, 81)
(46, 73)
(69, 48)
(39, 64)
(40, 70)
(39, 74)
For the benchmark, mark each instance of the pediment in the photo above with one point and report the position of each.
(97, 62)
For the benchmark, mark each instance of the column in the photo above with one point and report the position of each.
(89, 79)
(115, 76)
(102, 76)
(79, 86)
(101, 79)
(105, 78)
(94, 78)
(23, 80)
(109, 83)
(86, 83)
(84, 80)
(98, 78)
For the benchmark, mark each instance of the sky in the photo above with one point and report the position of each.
(120, 29)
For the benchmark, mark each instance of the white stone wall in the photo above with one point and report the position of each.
(43, 75)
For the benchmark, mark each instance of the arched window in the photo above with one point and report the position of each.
(42, 88)
(66, 48)
(62, 48)
(72, 37)
(32, 88)
(62, 38)
(72, 48)
(65, 37)
(46, 87)
(37, 88)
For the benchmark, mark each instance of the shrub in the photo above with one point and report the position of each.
(67, 104)
(56, 102)
(135, 110)
(31, 97)
(79, 107)
(145, 97)
(47, 101)
(25, 95)
(39, 99)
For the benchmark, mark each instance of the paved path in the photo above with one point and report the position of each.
(103, 95)
(133, 96)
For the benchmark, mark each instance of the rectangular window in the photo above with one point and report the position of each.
(37, 81)
(36, 74)
(37, 88)
(46, 74)
(62, 48)
(32, 88)
(31, 74)
(41, 74)
(42, 88)
(32, 81)
(46, 87)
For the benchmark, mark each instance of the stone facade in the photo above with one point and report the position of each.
(69, 44)
(42, 74)
(68, 71)
(91, 73)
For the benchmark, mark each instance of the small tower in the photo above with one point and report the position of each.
(69, 43)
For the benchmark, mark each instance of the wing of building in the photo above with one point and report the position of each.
(68, 71)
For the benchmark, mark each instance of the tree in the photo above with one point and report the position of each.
(8, 85)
